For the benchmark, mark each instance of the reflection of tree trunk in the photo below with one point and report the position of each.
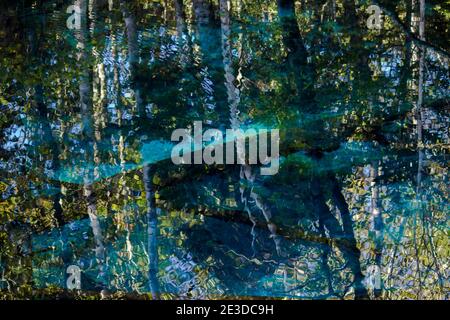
(350, 251)
(117, 89)
(350, 16)
(296, 52)
(89, 137)
(42, 111)
(125, 194)
(232, 92)
(133, 55)
(181, 18)
(99, 102)
(420, 142)
(248, 173)
(357, 43)
(184, 40)
(316, 42)
(420, 116)
(405, 73)
(47, 132)
(124, 189)
(203, 11)
(209, 35)
(96, 6)
(152, 231)
(304, 79)
(333, 10)
(16, 256)
(377, 223)
(20, 236)
(304, 75)
(95, 225)
(233, 95)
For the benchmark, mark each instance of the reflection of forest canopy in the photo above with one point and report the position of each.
(363, 116)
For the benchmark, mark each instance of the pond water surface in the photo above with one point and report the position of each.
(90, 96)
